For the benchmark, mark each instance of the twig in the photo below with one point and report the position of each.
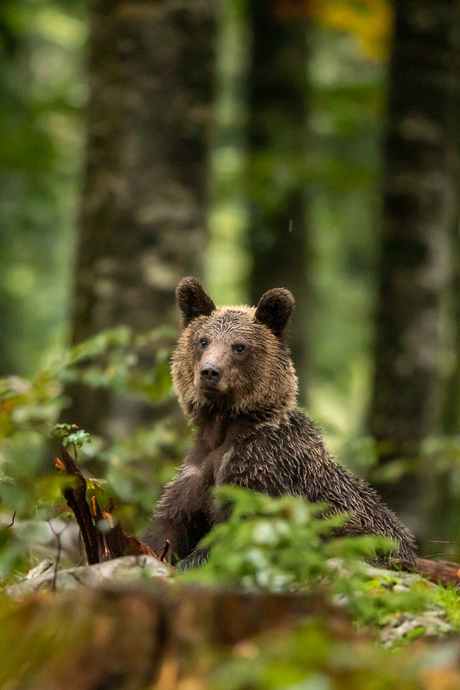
(104, 550)
(11, 523)
(442, 541)
(165, 550)
(59, 551)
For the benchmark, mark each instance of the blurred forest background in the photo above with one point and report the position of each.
(310, 144)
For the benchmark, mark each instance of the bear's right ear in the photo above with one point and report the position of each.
(274, 310)
(192, 300)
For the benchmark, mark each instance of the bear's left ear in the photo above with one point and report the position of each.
(193, 300)
(275, 309)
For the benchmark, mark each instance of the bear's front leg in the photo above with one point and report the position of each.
(183, 514)
(194, 559)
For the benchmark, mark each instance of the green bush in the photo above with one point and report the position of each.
(287, 544)
(130, 470)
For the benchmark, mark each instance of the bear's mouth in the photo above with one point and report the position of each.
(210, 393)
(211, 390)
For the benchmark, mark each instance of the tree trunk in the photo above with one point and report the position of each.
(451, 406)
(143, 218)
(420, 206)
(277, 148)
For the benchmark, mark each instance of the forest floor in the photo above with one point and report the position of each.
(130, 623)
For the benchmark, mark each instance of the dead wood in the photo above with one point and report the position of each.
(165, 550)
(439, 572)
(76, 500)
(100, 545)
(11, 523)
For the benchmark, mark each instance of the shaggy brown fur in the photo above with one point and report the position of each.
(235, 380)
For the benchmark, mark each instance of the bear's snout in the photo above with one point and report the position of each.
(210, 375)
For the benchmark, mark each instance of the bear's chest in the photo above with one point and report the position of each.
(211, 463)
(202, 471)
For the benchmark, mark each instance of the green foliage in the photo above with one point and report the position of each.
(42, 95)
(314, 657)
(448, 599)
(111, 359)
(130, 471)
(28, 405)
(65, 435)
(135, 466)
(286, 544)
(273, 543)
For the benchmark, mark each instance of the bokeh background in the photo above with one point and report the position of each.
(310, 144)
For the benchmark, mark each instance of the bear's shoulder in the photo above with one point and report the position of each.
(292, 426)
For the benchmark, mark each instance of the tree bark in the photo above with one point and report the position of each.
(420, 206)
(277, 148)
(143, 216)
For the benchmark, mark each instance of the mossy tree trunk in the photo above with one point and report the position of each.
(143, 216)
(277, 126)
(420, 208)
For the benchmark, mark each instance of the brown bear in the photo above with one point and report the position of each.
(235, 379)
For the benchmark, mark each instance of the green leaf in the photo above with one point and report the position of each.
(78, 438)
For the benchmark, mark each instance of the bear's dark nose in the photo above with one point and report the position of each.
(210, 374)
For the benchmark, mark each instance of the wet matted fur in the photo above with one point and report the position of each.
(236, 382)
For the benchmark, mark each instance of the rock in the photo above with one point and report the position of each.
(404, 624)
(126, 569)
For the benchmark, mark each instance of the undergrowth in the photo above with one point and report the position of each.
(288, 545)
(275, 544)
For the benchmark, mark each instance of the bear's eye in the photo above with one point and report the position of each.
(239, 349)
(203, 343)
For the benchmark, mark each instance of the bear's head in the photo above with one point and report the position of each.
(233, 361)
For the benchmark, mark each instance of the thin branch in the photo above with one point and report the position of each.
(441, 541)
(11, 523)
(165, 550)
(59, 551)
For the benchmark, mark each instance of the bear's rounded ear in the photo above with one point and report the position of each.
(192, 300)
(275, 309)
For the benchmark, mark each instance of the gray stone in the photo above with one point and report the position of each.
(127, 569)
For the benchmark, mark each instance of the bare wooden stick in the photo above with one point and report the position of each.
(99, 545)
(11, 523)
(59, 550)
(165, 550)
(76, 500)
